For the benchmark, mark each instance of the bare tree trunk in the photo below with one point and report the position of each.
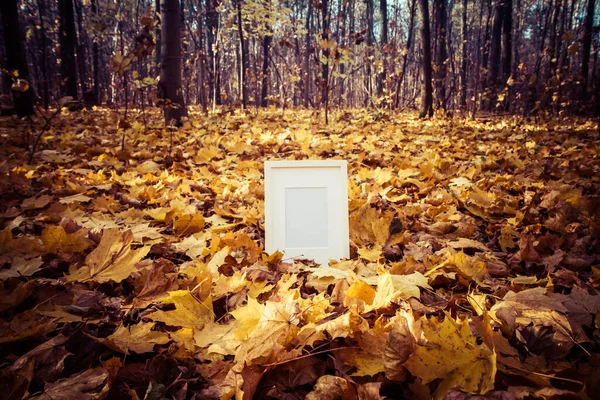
(370, 37)
(382, 76)
(325, 66)
(96, 61)
(427, 104)
(507, 23)
(243, 56)
(170, 66)
(307, 55)
(409, 40)
(441, 54)
(494, 62)
(463, 67)
(587, 45)
(43, 45)
(265, 70)
(15, 55)
(81, 49)
(212, 27)
(67, 39)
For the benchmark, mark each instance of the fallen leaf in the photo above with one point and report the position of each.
(139, 338)
(113, 259)
(451, 353)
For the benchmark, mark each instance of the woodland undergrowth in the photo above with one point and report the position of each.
(140, 272)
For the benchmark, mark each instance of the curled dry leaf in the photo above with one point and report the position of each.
(113, 260)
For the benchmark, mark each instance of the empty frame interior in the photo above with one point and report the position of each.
(306, 209)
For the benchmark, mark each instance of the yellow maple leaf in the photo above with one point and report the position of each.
(186, 224)
(450, 352)
(359, 294)
(56, 239)
(113, 259)
(248, 317)
(189, 311)
(139, 338)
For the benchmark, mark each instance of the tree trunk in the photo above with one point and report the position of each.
(325, 66)
(441, 54)
(44, 45)
(81, 48)
(427, 104)
(15, 55)
(67, 40)
(463, 66)
(587, 45)
(96, 60)
(494, 61)
(265, 70)
(382, 76)
(212, 26)
(411, 25)
(307, 56)
(243, 56)
(507, 23)
(370, 11)
(170, 66)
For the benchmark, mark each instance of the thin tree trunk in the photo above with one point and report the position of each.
(409, 40)
(243, 56)
(325, 66)
(507, 23)
(370, 35)
(265, 70)
(95, 59)
(587, 45)
(382, 76)
(67, 39)
(307, 55)
(170, 71)
(441, 54)
(494, 62)
(427, 103)
(15, 56)
(43, 45)
(463, 67)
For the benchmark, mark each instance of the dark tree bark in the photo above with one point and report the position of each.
(244, 62)
(409, 40)
(494, 60)
(81, 48)
(587, 45)
(463, 66)
(325, 66)
(507, 23)
(157, 32)
(212, 27)
(170, 66)
(427, 103)
(267, 39)
(96, 58)
(307, 55)
(15, 55)
(68, 39)
(370, 35)
(441, 54)
(382, 76)
(44, 61)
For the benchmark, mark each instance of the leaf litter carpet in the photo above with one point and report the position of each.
(140, 273)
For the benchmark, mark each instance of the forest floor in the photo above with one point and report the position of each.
(474, 268)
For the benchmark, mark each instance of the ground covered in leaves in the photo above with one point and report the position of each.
(140, 273)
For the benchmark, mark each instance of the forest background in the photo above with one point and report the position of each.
(132, 140)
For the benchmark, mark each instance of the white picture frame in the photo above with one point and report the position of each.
(306, 209)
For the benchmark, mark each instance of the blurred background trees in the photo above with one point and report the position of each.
(516, 56)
